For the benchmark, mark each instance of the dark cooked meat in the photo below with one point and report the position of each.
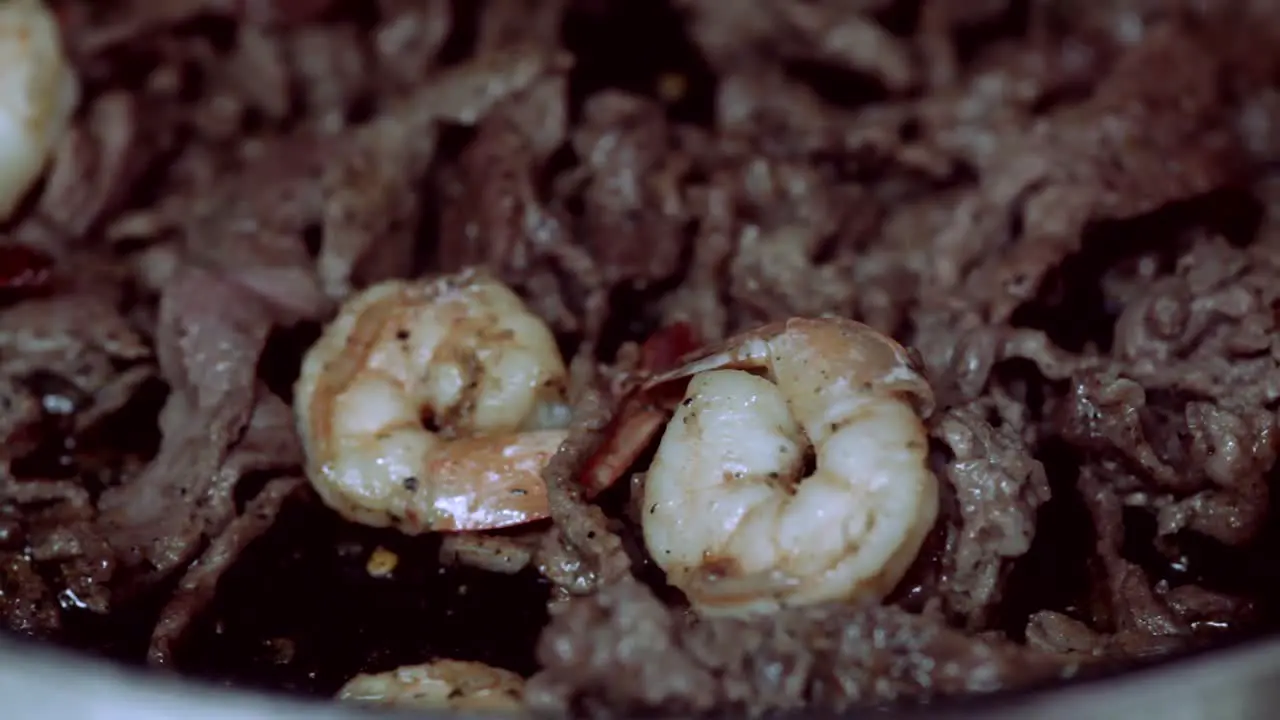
(1071, 213)
(998, 488)
(208, 339)
(623, 651)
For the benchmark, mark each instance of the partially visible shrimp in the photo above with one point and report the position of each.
(39, 91)
(443, 684)
(459, 354)
(727, 513)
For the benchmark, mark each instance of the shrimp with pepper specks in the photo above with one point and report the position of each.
(730, 514)
(433, 405)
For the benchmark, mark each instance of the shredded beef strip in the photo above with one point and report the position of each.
(208, 342)
(200, 581)
(220, 426)
(582, 553)
(998, 488)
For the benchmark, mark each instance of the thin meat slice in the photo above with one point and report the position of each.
(221, 426)
(210, 335)
(196, 590)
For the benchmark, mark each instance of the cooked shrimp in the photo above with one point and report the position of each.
(727, 514)
(38, 94)
(443, 684)
(433, 406)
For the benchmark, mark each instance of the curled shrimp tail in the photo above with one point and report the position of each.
(486, 483)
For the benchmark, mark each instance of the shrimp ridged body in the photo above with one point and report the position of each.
(433, 405)
(727, 513)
